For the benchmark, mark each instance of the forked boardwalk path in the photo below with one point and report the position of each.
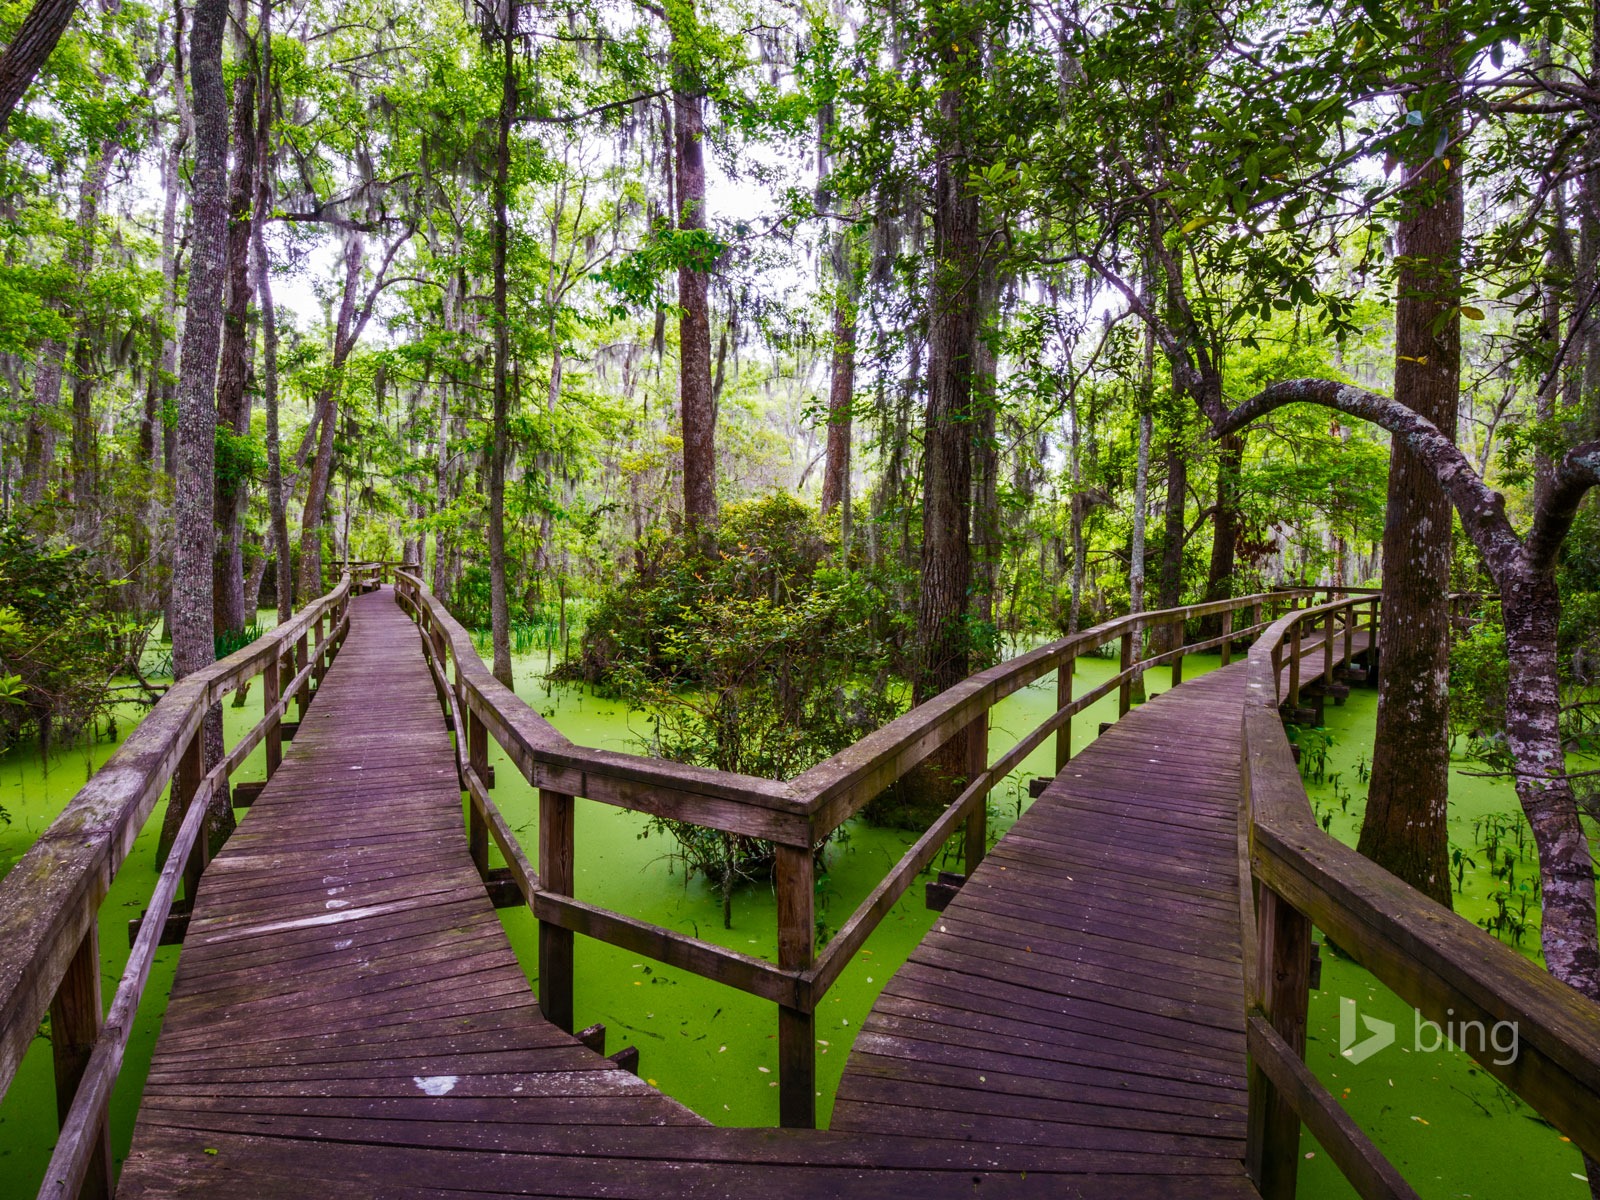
(348, 1018)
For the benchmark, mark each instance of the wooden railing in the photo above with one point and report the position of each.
(50, 900)
(1441, 964)
(367, 575)
(796, 816)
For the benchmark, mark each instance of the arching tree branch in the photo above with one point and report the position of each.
(1481, 508)
(1577, 472)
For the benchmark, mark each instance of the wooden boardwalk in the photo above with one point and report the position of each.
(1084, 990)
(348, 1018)
(345, 979)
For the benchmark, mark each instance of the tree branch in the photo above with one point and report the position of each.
(1482, 510)
(1578, 471)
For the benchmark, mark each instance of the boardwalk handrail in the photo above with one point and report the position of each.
(1441, 964)
(50, 900)
(796, 816)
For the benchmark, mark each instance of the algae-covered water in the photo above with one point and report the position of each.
(1449, 1126)
(1452, 1129)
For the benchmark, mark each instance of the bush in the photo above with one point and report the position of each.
(61, 642)
(755, 653)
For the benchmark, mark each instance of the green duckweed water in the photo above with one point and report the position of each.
(1448, 1125)
(1451, 1128)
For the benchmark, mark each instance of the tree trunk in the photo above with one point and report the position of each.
(193, 642)
(39, 449)
(313, 515)
(986, 458)
(1075, 508)
(233, 397)
(1174, 531)
(277, 509)
(1404, 827)
(46, 21)
(841, 392)
(942, 637)
(1533, 736)
(697, 405)
(499, 607)
(1136, 552)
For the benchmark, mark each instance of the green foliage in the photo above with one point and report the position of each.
(1478, 679)
(752, 651)
(61, 640)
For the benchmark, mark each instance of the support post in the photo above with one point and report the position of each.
(1227, 637)
(321, 649)
(1179, 633)
(478, 760)
(1349, 635)
(977, 829)
(555, 876)
(74, 1027)
(302, 659)
(1283, 964)
(271, 693)
(1125, 692)
(797, 1033)
(1064, 698)
(185, 785)
(1327, 648)
(1294, 665)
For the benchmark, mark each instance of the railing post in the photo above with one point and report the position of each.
(185, 787)
(271, 693)
(74, 1027)
(977, 736)
(1064, 698)
(1179, 634)
(1349, 634)
(555, 876)
(797, 1032)
(1255, 614)
(478, 759)
(321, 649)
(1294, 665)
(1125, 692)
(1227, 637)
(1327, 647)
(302, 659)
(1283, 965)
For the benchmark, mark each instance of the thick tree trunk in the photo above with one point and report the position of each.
(499, 607)
(1224, 523)
(277, 508)
(985, 458)
(193, 643)
(232, 609)
(942, 638)
(697, 405)
(1404, 827)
